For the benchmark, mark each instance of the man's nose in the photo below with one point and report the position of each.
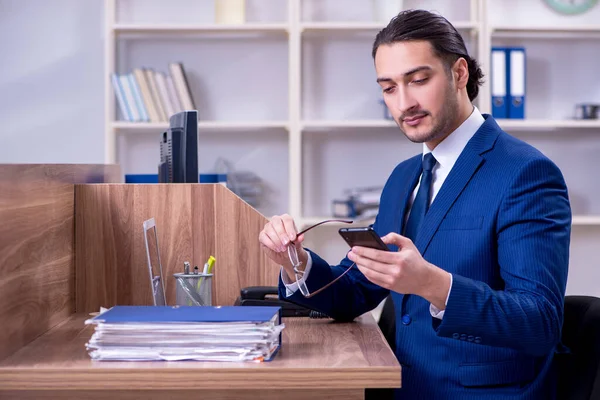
(405, 101)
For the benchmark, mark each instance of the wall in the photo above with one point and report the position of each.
(51, 108)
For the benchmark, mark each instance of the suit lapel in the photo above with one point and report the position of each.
(408, 185)
(463, 170)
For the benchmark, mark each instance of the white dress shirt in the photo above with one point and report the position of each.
(446, 153)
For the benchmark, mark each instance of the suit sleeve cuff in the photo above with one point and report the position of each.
(436, 312)
(292, 287)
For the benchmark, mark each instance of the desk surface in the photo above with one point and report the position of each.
(316, 353)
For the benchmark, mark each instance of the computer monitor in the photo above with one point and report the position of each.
(157, 281)
(179, 149)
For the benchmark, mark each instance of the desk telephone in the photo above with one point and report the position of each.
(268, 296)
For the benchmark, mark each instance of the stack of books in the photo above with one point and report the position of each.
(150, 333)
(146, 95)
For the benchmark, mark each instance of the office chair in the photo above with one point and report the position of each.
(579, 369)
(387, 322)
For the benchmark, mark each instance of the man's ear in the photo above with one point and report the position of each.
(460, 72)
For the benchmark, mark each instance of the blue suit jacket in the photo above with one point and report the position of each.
(501, 225)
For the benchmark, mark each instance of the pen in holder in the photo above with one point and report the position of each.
(193, 289)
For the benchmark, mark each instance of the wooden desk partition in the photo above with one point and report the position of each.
(193, 221)
(66, 250)
(37, 263)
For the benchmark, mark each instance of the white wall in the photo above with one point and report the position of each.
(51, 86)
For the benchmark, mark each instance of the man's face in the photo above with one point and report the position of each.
(418, 91)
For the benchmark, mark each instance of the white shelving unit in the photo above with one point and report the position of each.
(545, 125)
(332, 119)
(152, 29)
(202, 125)
(480, 31)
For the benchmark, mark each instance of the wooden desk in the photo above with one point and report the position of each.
(60, 260)
(319, 358)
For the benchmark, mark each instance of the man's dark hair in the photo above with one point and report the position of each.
(445, 40)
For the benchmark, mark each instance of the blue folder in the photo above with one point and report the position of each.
(131, 315)
(516, 78)
(499, 84)
(175, 314)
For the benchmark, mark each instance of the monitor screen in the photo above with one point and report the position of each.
(179, 149)
(157, 283)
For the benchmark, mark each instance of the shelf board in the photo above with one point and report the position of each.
(545, 124)
(345, 124)
(202, 125)
(207, 28)
(545, 31)
(508, 124)
(586, 220)
(364, 26)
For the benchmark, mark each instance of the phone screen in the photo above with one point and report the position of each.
(364, 237)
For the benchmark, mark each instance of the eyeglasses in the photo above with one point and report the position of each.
(293, 255)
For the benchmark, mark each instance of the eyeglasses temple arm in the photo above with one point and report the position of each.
(345, 221)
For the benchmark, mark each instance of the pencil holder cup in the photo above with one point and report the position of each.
(193, 289)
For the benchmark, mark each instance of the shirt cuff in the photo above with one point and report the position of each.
(434, 311)
(292, 287)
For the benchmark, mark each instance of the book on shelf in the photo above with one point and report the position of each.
(165, 333)
(182, 86)
(147, 95)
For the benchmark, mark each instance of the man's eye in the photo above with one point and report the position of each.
(389, 89)
(420, 81)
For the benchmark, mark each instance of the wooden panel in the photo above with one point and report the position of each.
(318, 354)
(193, 221)
(111, 256)
(36, 246)
(239, 250)
(104, 215)
(203, 222)
(272, 394)
(170, 206)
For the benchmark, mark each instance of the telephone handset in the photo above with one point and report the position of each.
(268, 296)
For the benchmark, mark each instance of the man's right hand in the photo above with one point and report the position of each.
(275, 237)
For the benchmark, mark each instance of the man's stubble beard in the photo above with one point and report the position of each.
(444, 121)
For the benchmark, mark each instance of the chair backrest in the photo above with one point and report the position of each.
(387, 322)
(579, 370)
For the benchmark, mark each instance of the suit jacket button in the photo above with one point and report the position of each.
(406, 319)
(463, 336)
(470, 338)
(477, 339)
(455, 335)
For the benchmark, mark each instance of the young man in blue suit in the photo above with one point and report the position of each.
(478, 225)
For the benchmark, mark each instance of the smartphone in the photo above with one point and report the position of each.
(365, 237)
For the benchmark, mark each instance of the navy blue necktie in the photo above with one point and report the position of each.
(421, 204)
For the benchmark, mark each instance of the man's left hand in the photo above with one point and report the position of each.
(404, 271)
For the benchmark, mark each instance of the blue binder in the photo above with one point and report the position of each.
(516, 78)
(189, 315)
(499, 84)
(184, 314)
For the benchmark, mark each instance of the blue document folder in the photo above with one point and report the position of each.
(175, 314)
(176, 333)
(499, 86)
(516, 77)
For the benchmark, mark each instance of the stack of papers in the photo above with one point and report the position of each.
(139, 333)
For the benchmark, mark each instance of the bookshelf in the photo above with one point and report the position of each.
(208, 28)
(202, 125)
(321, 120)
